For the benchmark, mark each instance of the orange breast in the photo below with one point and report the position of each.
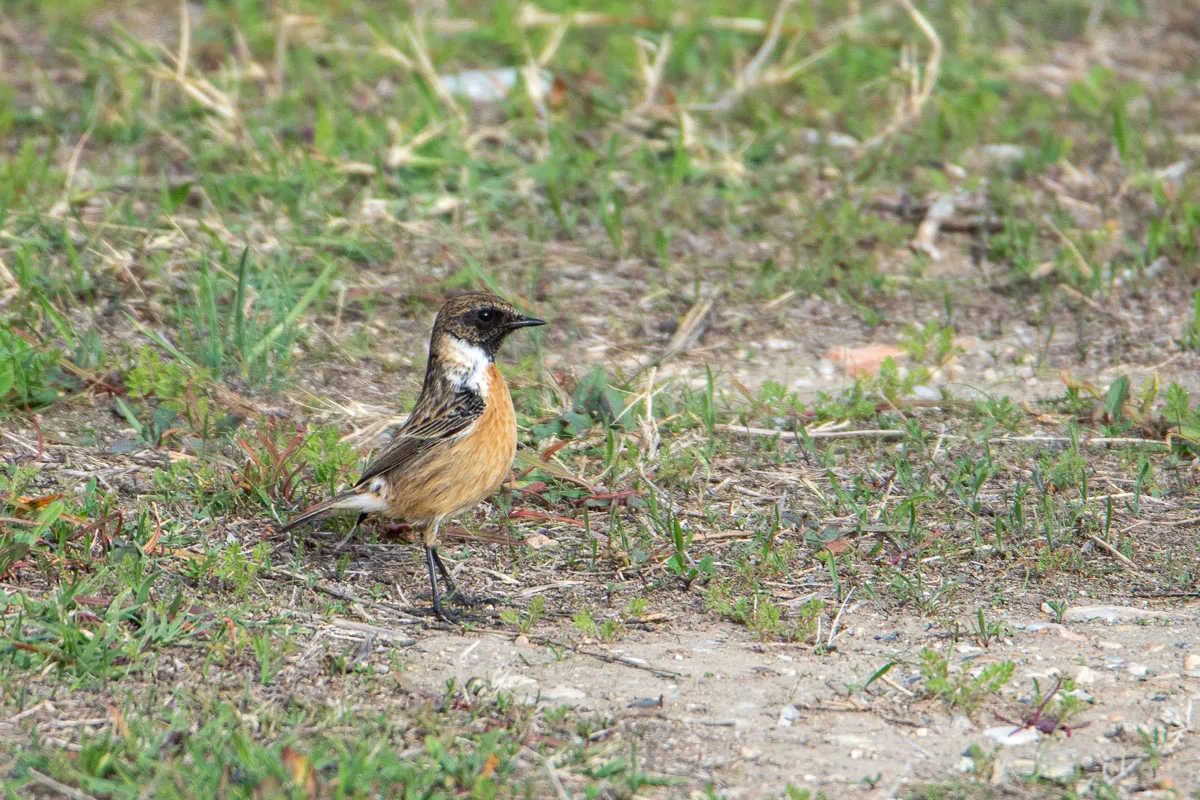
(462, 472)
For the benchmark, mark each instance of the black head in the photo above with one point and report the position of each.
(481, 319)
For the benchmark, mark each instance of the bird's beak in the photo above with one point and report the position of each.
(526, 322)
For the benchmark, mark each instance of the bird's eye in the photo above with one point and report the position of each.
(486, 315)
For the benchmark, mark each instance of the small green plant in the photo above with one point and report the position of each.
(763, 617)
(960, 689)
(931, 343)
(1058, 609)
(584, 623)
(1178, 412)
(27, 371)
(269, 659)
(525, 621)
(1004, 411)
(593, 402)
(606, 631)
(986, 632)
(1192, 332)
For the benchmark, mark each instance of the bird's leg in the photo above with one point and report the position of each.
(431, 563)
(434, 564)
(451, 587)
(353, 531)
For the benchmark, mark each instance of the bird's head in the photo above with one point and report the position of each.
(481, 320)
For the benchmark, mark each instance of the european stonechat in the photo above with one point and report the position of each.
(458, 445)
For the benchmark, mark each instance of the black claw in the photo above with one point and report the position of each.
(445, 616)
(473, 601)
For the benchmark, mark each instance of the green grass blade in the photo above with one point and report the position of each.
(290, 320)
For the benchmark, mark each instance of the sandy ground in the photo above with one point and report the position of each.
(752, 718)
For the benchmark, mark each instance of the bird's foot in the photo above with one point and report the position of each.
(471, 601)
(444, 615)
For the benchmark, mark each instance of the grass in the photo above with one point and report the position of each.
(220, 245)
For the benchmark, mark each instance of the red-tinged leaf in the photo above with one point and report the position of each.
(549, 452)
(38, 503)
(119, 721)
(837, 546)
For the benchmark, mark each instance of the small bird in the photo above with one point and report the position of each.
(458, 444)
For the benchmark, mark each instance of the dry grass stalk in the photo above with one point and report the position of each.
(531, 76)
(405, 154)
(647, 425)
(6, 277)
(1085, 269)
(185, 41)
(749, 77)
(651, 71)
(424, 67)
(921, 82)
(691, 327)
(790, 436)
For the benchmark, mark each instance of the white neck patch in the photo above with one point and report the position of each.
(466, 365)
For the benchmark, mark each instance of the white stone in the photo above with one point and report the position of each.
(1012, 736)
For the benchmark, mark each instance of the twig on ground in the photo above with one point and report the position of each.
(1098, 442)
(1112, 550)
(790, 436)
(691, 327)
(833, 629)
(552, 771)
(47, 782)
(940, 210)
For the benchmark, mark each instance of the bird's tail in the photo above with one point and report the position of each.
(353, 500)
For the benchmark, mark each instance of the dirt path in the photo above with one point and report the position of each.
(753, 718)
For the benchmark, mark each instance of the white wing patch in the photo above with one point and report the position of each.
(467, 365)
(365, 501)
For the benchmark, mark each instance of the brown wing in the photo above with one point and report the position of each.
(430, 423)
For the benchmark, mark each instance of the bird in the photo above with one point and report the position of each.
(458, 444)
